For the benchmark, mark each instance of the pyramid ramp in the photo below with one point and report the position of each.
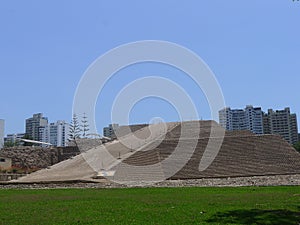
(100, 159)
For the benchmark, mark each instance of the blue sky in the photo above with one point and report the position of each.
(45, 46)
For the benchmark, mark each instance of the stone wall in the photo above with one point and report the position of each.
(28, 157)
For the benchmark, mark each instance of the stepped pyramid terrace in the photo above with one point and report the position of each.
(141, 156)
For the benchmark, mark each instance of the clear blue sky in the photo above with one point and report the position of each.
(253, 47)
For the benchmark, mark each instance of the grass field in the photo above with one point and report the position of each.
(266, 205)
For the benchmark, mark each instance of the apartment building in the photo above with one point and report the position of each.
(34, 124)
(282, 122)
(110, 130)
(250, 118)
(13, 138)
(55, 133)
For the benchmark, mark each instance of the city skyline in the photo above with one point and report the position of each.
(281, 122)
(43, 57)
(261, 109)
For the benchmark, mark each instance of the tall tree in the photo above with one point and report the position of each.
(84, 125)
(74, 130)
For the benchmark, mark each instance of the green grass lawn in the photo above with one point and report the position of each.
(266, 205)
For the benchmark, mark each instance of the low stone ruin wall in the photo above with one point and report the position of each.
(27, 157)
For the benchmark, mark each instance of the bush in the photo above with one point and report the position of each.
(297, 146)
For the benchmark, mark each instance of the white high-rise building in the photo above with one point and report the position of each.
(34, 124)
(13, 138)
(55, 133)
(254, 118)
(282, 122)
(1, 133)
(249, 118)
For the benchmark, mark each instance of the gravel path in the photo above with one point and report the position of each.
(277, 180)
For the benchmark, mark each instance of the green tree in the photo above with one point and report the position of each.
(84, 125)
(74, 130)
(297, 146)
(28, 137)
(8, 144)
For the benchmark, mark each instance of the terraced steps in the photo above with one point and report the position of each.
(141, 157)
(242, 154)
(99, 157)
